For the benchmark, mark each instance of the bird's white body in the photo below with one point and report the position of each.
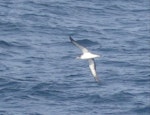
(88, 55)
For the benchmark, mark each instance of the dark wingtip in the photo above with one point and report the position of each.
(70, 38)
(97, 79)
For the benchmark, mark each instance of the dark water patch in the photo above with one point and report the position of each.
(145, 73)
(141, 10)
(4, 112)
(6, 4)
(4, 44)
(21, 45)
(132, 42)
(35, 18)
(143, 51)
(95, 99)
(47, 90)
(66, 57)
(118, 63)
(122, 96)
(11, 28)
(143, 79)
(59, 43)
(115, 7)
(108, 50)
(3, 67)
(3, 81)
(53, 7)
(11, 86)
(142, 110)
(91, 10)
(5, 55)
(33, 60)
(63, 91)
(35, 113)
(18, 45)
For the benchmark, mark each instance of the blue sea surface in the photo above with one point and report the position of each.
(39, 72)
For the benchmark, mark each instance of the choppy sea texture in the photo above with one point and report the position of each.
(39, 74)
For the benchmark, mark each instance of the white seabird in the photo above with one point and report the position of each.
(89, 56)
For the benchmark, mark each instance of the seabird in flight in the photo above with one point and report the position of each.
(89, 56)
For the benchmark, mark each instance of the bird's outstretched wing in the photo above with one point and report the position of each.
(92, 67)
(84, 50)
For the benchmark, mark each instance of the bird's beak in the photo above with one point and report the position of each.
(77, 57)
(98, 56)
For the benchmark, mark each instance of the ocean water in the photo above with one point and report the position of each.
(39, 74)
